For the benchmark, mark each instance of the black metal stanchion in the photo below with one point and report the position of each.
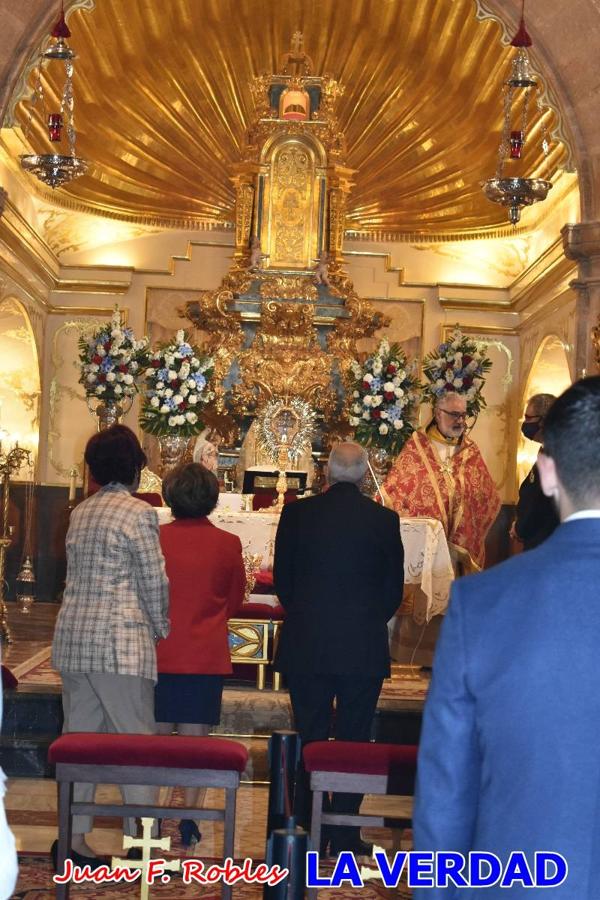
(287, 848)
(284, 756)
(286, 844)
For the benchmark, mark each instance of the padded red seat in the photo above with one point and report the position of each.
(149, 760)
(264, 582)
(254, 610)
(359, 758)
(357, 768)
(149, 750)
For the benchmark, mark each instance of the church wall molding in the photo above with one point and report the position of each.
(555, 278)
(168, 270)
(90, 286)
(28, 247)
(417, 237)
(24, 286)
(537, 269)
(554, 303)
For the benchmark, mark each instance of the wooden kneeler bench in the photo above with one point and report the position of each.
(356, 768)
(144, 759)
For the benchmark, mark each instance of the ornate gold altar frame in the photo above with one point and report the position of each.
(252, 647)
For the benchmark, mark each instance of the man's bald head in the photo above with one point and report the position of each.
(347, 462)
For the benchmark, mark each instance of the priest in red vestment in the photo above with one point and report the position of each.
(440, 473)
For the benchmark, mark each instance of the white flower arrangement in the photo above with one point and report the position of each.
(111, 361)
(384, 394)
(176, 387)
(458, 366)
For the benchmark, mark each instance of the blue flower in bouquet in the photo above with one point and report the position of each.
(458, 366)
(174, 367)
(110, 360)
(378, 416)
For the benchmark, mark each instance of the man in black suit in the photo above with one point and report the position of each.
(339, 573)
(536, 518)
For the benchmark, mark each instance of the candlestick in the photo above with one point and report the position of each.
(73, 475)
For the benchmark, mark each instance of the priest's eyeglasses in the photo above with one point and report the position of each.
(455, 416)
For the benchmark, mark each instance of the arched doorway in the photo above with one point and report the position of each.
(19, 379)
(549, 374)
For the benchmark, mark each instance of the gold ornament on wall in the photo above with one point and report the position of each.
(288, 288)
(285, 360)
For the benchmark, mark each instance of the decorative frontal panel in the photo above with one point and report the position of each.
(292, 215)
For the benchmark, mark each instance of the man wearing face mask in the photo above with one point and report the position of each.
(508, 755)
(440, 473)
(536, 518)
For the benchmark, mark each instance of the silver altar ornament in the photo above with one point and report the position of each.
(26, 586)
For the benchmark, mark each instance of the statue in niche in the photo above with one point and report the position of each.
(253, 456)
(321, 269)
(256, 254)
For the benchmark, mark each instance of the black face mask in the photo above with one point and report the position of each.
(530, 429)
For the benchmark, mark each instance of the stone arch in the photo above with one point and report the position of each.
(550, 372)
(20, 377)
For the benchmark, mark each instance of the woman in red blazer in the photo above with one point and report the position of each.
(206, 587)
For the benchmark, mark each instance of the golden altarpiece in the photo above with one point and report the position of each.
(285, 320)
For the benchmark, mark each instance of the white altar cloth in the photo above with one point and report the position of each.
(428, 576)
(230, 502)
(428, 570)
(256, 530)
(428, 565)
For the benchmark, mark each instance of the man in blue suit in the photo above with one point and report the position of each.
(510, 748)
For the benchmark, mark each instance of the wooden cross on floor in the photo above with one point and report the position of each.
(147, 844)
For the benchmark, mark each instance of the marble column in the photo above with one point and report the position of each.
(581, 243)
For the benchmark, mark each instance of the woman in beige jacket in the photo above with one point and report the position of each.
(114, 610)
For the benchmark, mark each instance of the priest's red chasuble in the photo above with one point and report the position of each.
(459, 491)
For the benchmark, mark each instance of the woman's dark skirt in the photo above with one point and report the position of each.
(193, 699)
